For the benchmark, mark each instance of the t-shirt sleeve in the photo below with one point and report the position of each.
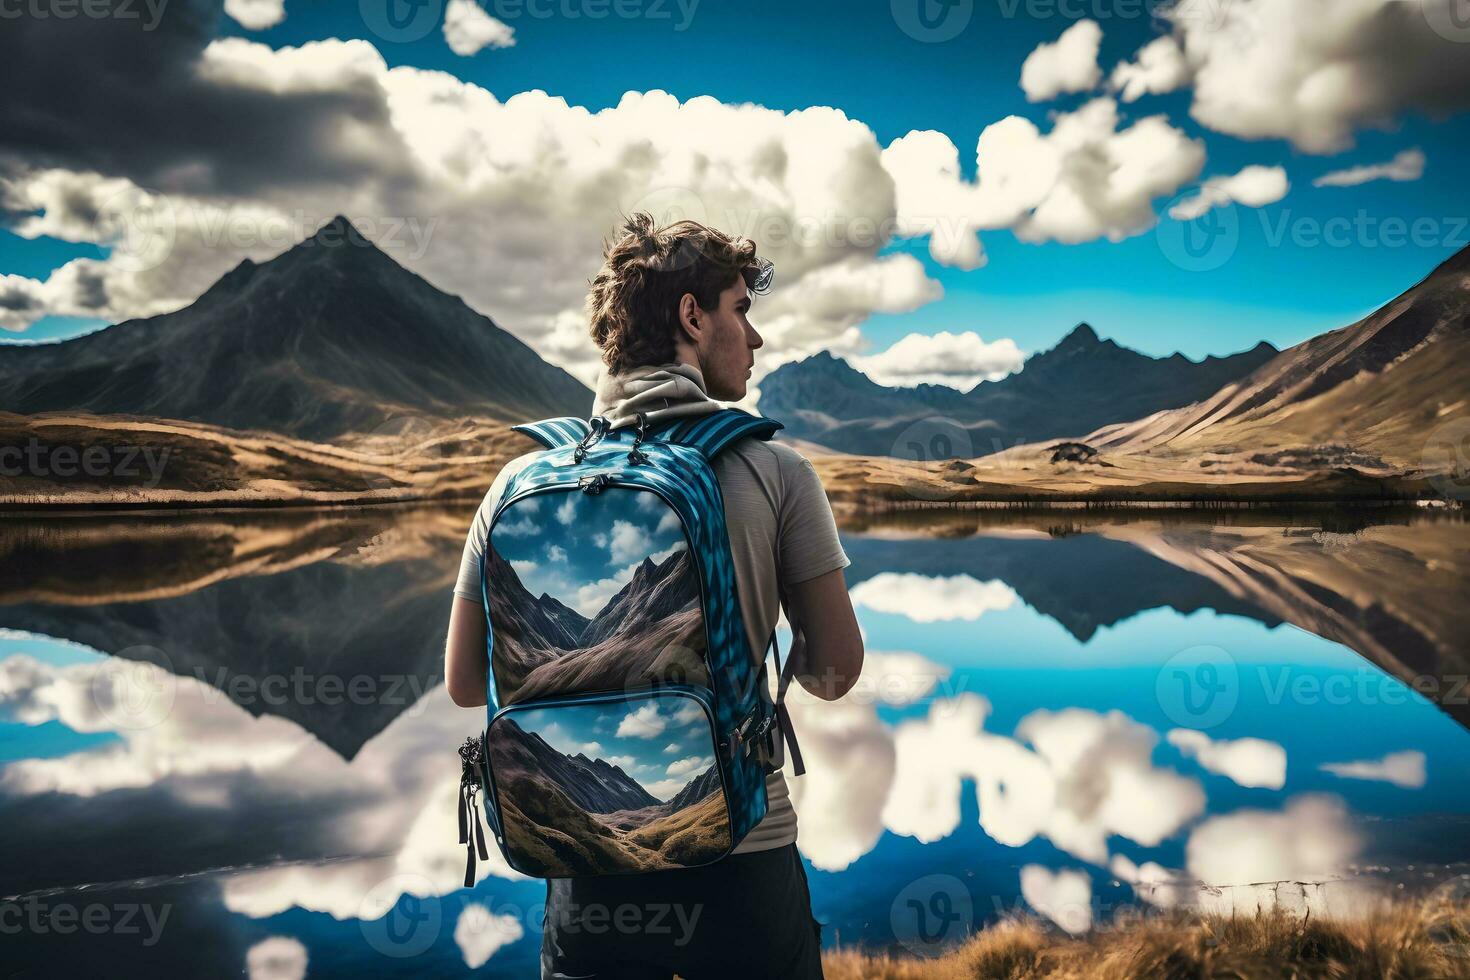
(467, 585)
(808, 541)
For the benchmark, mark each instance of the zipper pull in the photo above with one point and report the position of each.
(593, 484)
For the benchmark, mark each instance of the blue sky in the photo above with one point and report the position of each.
(662, 742)
(1280, 281)
(582, 548)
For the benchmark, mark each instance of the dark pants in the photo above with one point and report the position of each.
(747, 916)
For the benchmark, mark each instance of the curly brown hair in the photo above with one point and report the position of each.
(633, 303)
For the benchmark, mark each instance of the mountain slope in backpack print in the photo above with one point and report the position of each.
(592, 593)
(630, 794)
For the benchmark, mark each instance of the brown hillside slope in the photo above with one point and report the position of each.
(1379, 387)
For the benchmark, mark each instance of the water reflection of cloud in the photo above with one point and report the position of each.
(849, 756)
(1064, 897)
(932, 598)
(1087, 776)
(401, 827)
(1295, 858)
(1403, 769)
(200, 732)
(480, 933)
(1250, 762)
(276, 958)
(1079, 779)
(1311, 840)
(897, 678)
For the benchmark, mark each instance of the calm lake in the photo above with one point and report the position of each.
(225, 746)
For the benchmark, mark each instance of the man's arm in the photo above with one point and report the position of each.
(466, 669)
(826, 646)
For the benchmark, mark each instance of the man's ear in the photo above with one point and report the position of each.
(689, 318)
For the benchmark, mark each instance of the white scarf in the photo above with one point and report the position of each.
(660, 392)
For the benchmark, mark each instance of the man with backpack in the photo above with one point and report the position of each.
(681, 863)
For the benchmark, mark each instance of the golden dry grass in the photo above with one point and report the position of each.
(1406, 941)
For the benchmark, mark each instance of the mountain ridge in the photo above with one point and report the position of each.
(1381, 383)
(330, 337)
(594, 785)
(1082, 382)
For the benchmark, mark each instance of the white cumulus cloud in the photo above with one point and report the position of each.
(1254, 187)
(960, 360)
(1316, 71)
(689, 765)
(256, 15)
(644, 722)
(1160, 68)
(452, 181)
(1405, 166)
(628, 542)
(468, 29)
(1068, 64)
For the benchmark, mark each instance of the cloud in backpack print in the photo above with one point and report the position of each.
(644, 722)
(557, 557)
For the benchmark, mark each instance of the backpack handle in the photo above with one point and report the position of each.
(636, 456)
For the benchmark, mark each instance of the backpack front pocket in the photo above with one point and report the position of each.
(609, 784)
(592, 592)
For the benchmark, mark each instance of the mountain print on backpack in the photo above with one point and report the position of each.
(609, 787)
(592, 592)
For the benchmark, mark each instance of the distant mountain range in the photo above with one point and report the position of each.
(334, 342)
(1082, 383)
(1371, 394)
(593, 784)
(330, 337)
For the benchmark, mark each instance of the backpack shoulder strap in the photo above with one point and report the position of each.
(555, 433)
(712, 434)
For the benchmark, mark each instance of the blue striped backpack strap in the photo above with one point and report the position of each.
(555, 433)
(712, 434)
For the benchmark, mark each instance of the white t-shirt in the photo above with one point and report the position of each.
(781, 533)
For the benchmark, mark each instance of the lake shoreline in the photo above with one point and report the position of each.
(847, 503)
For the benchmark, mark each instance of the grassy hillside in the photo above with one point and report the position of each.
(1406, 941)
(688, 836)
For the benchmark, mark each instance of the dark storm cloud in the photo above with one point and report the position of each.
(107, 93)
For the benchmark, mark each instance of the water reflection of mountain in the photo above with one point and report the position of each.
(280, 821)
(366, 593)
(315, 599)
(1389, 585)
(1082, 581)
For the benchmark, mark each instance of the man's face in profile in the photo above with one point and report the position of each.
(727, 350)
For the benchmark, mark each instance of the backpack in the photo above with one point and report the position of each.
(629, 729)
